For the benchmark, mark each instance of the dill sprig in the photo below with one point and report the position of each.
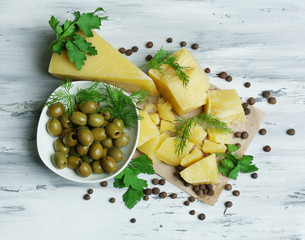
(166, 57)
(64, 96)
(93, 93)
(184, 125)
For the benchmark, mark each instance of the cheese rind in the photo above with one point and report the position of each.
(109, 66)
(183, 99)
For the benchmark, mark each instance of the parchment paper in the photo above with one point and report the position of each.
(254, 120)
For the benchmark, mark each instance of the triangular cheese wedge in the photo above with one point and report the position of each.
(109, 66)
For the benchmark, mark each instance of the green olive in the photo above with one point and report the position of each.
(86, 159)
(74, 161)
(116, 153)
(89, 107)
(107, 143)
(122, 141)
(56, 110)
(109, 164)
(85, 136)
(119, 123)
(95, 120)
(60, 147)
(54, 127)
(73, 151)
(79, 118)
(99, 134)
(113, 131)
(97, 167)
(106, 114)
(67, 130)
(95, 151)
(59, 160)
(81, 149)
(84, 170)
(70, 139)
(105, 150)
(65, 121)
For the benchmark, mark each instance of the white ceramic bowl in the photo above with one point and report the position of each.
(45, 145)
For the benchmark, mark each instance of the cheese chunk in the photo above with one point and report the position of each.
(155, 118)
(109, 66)
(217, 137)
(165, 111)
(191, 158)
(167, 126)
(171, 88)
(202, 172)
(211, 147)
(148, 129)
(166, 152)
(197, 134)
(149, 107)
(225, 105)
(149, 148)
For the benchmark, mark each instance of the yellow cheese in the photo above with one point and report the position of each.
(217, 137)
(191, 158)
(197, 134)
(148, 129)
(225, 105)
(166, 152)
(167, 126)
(155, 118)
(171, 88)
(149, 107)
(109, 65)
(165, 111)
(202, 172)
(211, 147)
(149, 148)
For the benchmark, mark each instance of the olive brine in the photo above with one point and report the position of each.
(88, 141)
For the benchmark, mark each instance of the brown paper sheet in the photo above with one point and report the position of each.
(252, 124)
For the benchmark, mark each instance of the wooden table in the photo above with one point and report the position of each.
(261, 42)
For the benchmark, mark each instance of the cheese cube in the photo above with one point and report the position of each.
(109, 66)
(155, 118)
(183, 99)
(197, 134)
(192, 157)
(166, 152)
(149, 107)
(148, 129)
(202, 172)
(217, 137)
(165, 111)
(167, 126)
(211, 147)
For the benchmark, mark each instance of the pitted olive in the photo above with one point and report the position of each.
(85, 136)
(79, 118)
(109, 164)
(86, 159)
(54, 127)
(59, 160)
(116, 153)
(107, 143)
(70, 139)
(113, 131)
(88, 107)
(84, 170)
(122, 141)
(60, 147)
(66, 130)
(56, 110)
(82, 149)
(99, 134)
(95, 120)
(97, 167)
(119, 123)
(95, 151)
(74, 161)
(65, 121)
(106, 114)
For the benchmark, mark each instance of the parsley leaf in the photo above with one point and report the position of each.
(129, 178)
(67, 37)
(230, 165)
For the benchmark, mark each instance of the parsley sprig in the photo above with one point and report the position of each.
(230, 165)
(184, 125)
(166, 57)
(67, 38)
(129, 178)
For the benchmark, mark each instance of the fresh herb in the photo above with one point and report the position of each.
(129, 178)
(67, 38)
(184, 125)
(64, 96)
(166, 57)
(92, 93)
(230, 165)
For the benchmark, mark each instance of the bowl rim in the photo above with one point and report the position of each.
(83, 180)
